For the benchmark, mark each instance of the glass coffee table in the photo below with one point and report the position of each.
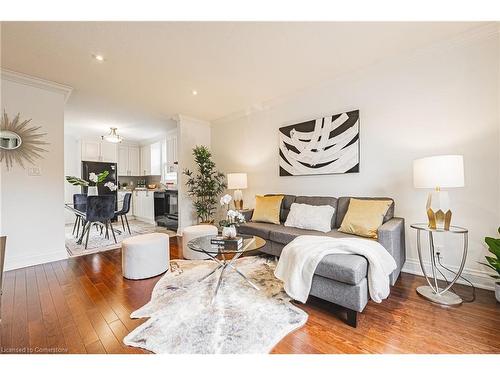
(203, 245)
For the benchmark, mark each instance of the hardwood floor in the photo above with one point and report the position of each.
(82, 305)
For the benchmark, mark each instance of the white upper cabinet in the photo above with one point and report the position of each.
(134, 160)
(91, 150)
(146, 160)
(171, 153)
(128, 160)
(96, 150)
(123, 169)
(169, 158)
(155, 159)
(151, 159)
(139, 161)
(109, 152)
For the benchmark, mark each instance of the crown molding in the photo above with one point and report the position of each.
(488, 30)
(25, 79)
(179, 118)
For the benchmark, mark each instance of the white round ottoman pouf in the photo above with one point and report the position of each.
(145, 256)
(190, 233)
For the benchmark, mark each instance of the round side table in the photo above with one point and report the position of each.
(432, 292)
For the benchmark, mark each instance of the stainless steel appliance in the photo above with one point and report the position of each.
(166, 209)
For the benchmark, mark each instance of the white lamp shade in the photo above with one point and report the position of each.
(444, 171)
(236, 181)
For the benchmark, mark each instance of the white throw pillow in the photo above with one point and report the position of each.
(305, 216)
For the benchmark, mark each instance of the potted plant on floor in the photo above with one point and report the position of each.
(205, 186)
(494, 261)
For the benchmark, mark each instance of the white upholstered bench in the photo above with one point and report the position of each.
(196, 231)
(145, 256)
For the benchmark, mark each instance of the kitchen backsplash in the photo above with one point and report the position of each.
(136, 179)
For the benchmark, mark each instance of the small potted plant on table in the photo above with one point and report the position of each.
(494, 261)
(233, 219)
(95, 179)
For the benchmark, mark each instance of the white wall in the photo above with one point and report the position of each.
(32, 207)
(443, 100)
(72, 167)
(191, 133)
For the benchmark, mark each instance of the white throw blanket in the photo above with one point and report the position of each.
(299, 260)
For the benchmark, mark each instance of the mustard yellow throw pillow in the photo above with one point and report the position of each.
(267, 209)
(364, 217)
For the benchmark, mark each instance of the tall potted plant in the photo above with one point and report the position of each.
(206, 185)
(494, 261)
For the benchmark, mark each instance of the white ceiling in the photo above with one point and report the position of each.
(151, 68)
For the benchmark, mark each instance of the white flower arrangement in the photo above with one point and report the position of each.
(93, 177)
(234, 218)
(225, 200)
(111, 186)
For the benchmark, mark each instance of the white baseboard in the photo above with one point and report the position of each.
(478, 278)
(27, 261)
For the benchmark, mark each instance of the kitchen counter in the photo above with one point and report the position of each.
(145, 189)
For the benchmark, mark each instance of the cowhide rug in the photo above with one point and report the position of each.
(182, 318)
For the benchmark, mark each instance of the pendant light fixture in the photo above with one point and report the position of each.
(112, 137)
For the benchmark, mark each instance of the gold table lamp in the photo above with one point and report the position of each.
(236, 182)
(437, 172)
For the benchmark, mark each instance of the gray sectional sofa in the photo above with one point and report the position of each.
(339, 278)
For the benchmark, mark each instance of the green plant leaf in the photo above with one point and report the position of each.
(494, 262)
(493, 245)
(102, 176)
(76, 181)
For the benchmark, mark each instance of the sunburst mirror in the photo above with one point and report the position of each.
(20, 141)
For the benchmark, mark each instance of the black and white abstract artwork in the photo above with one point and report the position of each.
(326, 145)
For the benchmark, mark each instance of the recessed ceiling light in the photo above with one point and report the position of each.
(194, 92)
(98, 57)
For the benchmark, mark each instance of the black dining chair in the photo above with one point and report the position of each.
(100, 209)
(79, 200)
(125, 210)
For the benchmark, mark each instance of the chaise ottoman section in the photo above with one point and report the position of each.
(353, 297)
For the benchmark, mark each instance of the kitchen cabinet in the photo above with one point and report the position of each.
(95, 150)
(144, 207)
(151, 160)
(128, 160)
(145, 160)
(171, 157)
(91, 150)
(134, 160)
(109, 152)
(155, 159)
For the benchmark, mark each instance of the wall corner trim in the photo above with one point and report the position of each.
(10, 75)
(33, 260)
(480, 279)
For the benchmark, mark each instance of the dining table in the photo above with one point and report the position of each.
(81, 211)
